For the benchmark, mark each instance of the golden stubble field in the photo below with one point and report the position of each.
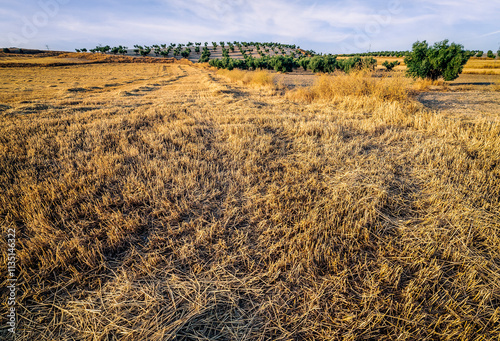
(162, 202)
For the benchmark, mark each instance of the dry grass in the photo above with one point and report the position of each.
(350, 88)
(426, 84)
(187, 207)
(482, 71)
(258, 78)
(495, 86)
(68, 59)
(21, 87)
(38, 60)
(479, 63)
(481, 66)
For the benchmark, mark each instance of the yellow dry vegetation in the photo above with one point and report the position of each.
(481, 71)
(259, 78)
(161, 202)
(480, 63)
(357, 89)
(55, 84)
(39, 60)
(481, 66)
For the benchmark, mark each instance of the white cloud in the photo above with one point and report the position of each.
(321, 22)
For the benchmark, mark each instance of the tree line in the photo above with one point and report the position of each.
(440, 60)
(327, 63)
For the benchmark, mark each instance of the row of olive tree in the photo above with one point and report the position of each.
(279, 63)
(244, 47)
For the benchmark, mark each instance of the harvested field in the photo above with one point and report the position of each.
(172, 202)
(68, 59)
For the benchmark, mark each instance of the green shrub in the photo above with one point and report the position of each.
(368, 63)
(205, 55)
(282, 64)
(490, 54)
(479, 54)
(349, 64)
(6, 50)
(316, 64)
(390, 65)
(122, 49)
(441, 60)
(145, 51)
(304, 62)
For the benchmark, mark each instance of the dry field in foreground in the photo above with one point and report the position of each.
(168, 202)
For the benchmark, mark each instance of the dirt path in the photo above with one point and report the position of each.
(465, 105)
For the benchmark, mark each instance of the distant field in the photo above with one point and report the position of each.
(478, 63)
(39, 60)
(177, 202)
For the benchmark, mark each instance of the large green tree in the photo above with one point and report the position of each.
(433, 62)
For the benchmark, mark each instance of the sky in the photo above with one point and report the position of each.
(322, 26)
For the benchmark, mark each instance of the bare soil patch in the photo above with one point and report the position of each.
(464, 104)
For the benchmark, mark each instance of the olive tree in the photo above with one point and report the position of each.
(205, 55)
(122, 50)
(390, 65)
(145, 51)
(186, 53)
(433, 62)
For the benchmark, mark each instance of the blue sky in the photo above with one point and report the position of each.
(323, 26)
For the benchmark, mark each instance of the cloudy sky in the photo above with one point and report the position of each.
(323, 26)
